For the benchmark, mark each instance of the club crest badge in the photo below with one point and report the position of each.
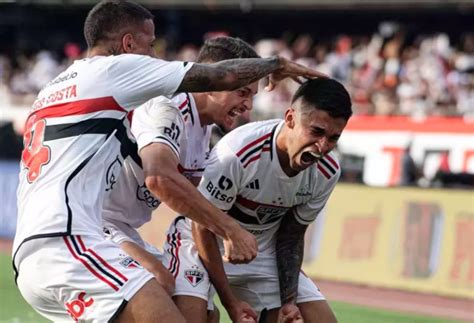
(194, 276)
(129, 263)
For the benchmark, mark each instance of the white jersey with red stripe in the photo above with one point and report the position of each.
(172, 122)
(243, 176)
(76, 138)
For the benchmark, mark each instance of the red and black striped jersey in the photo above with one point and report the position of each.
(76, 138)
(174, 122)
(243, 176)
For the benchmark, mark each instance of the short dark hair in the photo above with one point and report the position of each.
(325, 94)
(110, 16)
(222, 48)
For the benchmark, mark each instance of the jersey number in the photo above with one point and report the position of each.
(35, 154)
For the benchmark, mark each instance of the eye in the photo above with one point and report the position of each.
(317, 131)
(243, 92)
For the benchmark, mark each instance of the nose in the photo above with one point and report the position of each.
(249, 104)
(323, 145)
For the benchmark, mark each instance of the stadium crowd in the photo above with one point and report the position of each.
(387, 73)
(390, 72)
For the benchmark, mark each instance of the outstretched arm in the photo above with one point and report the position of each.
(210, 255)
(289, 253)
(234, 73)
(164, 180)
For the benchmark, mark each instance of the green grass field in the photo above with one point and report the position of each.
(14, 309)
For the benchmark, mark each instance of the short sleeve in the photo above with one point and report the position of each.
(135, 79)
(222, 176)
(158, 120)
(307, 212)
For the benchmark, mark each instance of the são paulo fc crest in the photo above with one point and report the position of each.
(129, 263)
(194, 276)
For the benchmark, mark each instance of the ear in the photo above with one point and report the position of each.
(128, 43)
(290, 116)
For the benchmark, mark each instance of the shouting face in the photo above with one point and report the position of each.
(309, 135)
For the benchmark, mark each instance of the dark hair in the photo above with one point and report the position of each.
(325, 94)
(111, 16)
(222, 48)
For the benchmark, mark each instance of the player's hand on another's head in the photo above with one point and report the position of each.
(290, 313)
(292, 70)
(240, 247)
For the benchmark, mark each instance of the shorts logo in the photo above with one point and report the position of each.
(130, 263)
(113, 173)
(76, 307)
(194, 276)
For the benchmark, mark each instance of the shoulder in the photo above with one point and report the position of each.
(250, 140)
(157, 112)
(329, 167)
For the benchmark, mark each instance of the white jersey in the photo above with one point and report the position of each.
(243, 176)
(76, 138)
(172, 122)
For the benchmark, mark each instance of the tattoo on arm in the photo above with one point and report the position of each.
(289, 252)
(227, 75)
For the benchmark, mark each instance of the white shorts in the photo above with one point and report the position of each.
(78, 277)
(181, 257)
(257, 283)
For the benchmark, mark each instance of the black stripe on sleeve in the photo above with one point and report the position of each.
(170, 142)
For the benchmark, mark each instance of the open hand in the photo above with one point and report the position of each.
(293, 70)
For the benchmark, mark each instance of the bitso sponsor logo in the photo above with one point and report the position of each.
(223, 184)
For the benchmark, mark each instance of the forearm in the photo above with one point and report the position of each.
(182, 197)
(164, 180)
(210, 255)
(289, 253)
(228, 75)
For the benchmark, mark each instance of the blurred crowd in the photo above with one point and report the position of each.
(386, 73)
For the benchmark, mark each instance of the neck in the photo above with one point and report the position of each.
(201, 103)
(101, 50)
(282, 152)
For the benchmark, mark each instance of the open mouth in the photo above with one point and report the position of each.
(309, 157)
(231, 116)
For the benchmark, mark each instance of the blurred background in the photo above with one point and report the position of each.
(398, 232)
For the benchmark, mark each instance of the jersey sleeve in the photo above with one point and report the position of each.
(135, 79)
(307, 213)
(158, 120)
(222, 177)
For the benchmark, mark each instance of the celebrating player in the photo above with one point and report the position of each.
(180, 128)
(76, 137)
(273, 177)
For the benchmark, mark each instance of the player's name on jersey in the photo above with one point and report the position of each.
(66, 93)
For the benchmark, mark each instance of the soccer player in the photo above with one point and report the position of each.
(75, 140)
(184, 126)
(273, 177)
